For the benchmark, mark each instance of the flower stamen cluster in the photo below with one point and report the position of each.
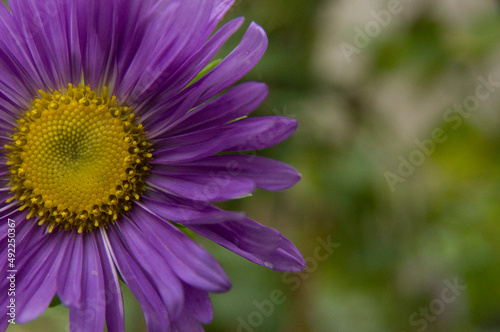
(78, 159)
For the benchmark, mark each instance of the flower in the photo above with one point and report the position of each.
(118, 133)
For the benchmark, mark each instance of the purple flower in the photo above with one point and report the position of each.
(117, 133)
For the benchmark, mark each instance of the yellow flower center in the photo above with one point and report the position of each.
(78, 159)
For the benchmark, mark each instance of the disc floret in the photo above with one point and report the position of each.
(78, 159)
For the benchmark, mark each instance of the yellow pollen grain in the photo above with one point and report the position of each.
(76, 157)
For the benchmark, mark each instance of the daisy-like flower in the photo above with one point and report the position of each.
(118, 132)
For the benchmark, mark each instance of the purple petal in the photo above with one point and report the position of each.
(255, 242)
(220, 8)
(198, 304)
(61, 48)
(146, 62)
(163, 114)
(113, 295)
(37, 20)
(199, 187)
(188, 147)
(16, 60)
(231, 69)
(111, 34)
(7, 208)
(155, 312)
(238, 102)
(20, 227)
(167, 50)
(246, 235)
(188, 323)
(17, 84)
(239, 62)
(262, 132)
(244, 135)
(91, 315)
(148, 275)
(186, 215)
(98, 49)
(4, 323)
(200, 270)
(70, 275)
(38, 261)
(265, 173)
(23, 227)
(152, 262)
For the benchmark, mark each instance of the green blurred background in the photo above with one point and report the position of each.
(398, 145)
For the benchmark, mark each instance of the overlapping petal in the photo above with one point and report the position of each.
(221, 170)
(236, 103)
(112, 292)
(171, 210)
(243, 135)
(90, 314)
(255, 242)
(36, 274)
(201, 270)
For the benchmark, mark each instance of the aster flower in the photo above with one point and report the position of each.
(118, 132)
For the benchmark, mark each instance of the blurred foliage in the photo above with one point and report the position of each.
(399, 250)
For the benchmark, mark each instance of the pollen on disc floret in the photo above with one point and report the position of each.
(78, 159)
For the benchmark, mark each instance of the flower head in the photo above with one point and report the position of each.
(118, 133)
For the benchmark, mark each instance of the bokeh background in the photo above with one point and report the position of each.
(398, 144)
